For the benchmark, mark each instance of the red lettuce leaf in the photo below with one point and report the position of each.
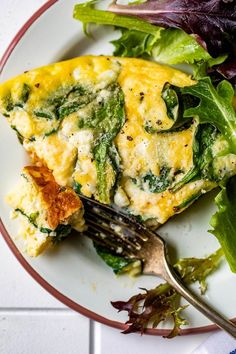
(212, 21)
(163, 302)
(228, 70)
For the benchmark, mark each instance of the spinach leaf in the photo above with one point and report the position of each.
(203, 168)
(59, 234)
(63, 102)
(61, 231)
(31, 218)
(223, 221)
(9, 104)
(77, 187)
(187, 202)
(117, 263)
(25, 93)
(19, 136)
(106, 120)
(155, 184)
(171, 99)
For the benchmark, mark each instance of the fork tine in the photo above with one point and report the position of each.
(123, 242)
(110, 215)
(104, 240)
(121, 232)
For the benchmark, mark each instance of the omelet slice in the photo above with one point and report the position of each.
(47, 211)
(108, 127)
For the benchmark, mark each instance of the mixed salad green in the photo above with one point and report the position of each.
(154, 30)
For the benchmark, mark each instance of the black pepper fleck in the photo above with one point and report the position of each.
(141, 98)
(159, 122)
(129, 138)
(37, 85)
(185, 145)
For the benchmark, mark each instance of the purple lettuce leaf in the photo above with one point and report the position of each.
(211, 21)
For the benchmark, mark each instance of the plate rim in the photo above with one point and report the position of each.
(19, 256)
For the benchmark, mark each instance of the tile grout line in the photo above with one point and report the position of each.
(91, 337)
(21, 310)
(94, 337)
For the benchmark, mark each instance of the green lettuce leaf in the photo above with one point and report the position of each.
(142, 39)
(87, 14)
(174, 46)
(224, 221)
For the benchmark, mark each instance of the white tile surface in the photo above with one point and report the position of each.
(43, 332)
(31, 320)
(18, 289)
(110, 341)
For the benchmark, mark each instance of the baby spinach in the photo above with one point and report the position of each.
(61, 231)
(155, 183)
(117, 263)
(77, 187)
(64, 101)
(25, 93)
(204, 138)
(106, 120)
(9, 104)
(171, 100)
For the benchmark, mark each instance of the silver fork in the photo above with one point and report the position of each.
(123, 235)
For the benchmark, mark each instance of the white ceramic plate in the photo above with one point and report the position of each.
(73, 272)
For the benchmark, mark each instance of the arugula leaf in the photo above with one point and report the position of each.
(163, 302)
(215, 107)
(224, 221)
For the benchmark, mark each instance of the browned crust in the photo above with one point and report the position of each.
(60, 202)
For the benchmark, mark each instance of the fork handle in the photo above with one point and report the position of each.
(171, 277)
